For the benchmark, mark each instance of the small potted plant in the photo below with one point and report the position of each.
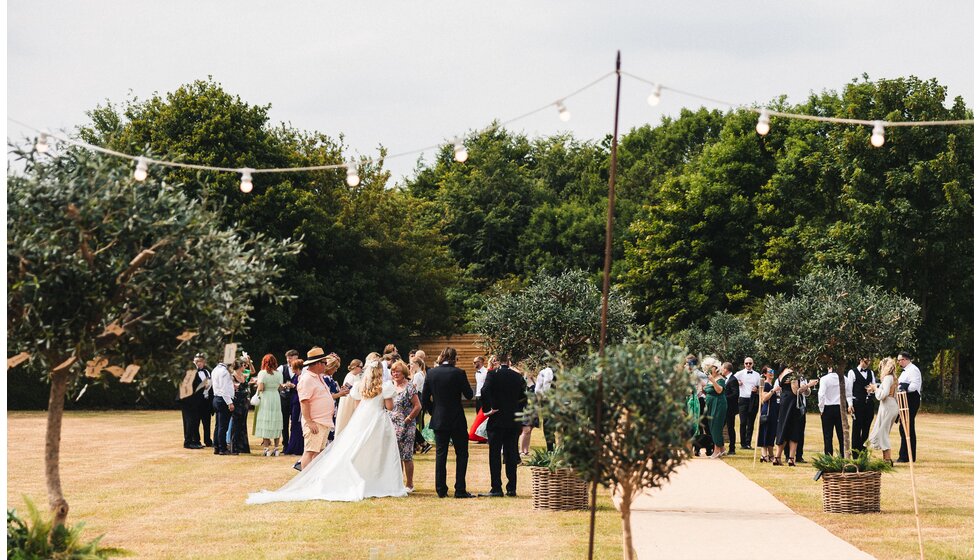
(851, 485)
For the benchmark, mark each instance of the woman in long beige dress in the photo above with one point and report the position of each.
(887, 411)
(345, 406)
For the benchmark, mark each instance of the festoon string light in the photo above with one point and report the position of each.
(460, 152)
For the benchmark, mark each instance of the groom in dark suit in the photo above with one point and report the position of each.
(504, 396)
(445, 386)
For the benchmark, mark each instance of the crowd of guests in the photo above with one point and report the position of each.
(780, 401)
(276, 394)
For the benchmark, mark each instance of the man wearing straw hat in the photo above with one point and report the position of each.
(315, 403)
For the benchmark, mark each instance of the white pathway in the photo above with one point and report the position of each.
(710, 510)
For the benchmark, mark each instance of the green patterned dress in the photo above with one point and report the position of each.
(268, 418)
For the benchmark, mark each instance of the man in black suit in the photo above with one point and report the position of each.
(504, 396)
(195, 409)
(731, 396)
(864, 404)
(445, 387)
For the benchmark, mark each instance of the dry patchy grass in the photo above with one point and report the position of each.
(126, 475)
(944, 483)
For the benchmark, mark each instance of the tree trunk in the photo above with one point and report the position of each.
(956, 373)
(624, 513)
(844, 417)
(52, 447)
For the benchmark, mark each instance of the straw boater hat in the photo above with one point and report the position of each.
(315, 355)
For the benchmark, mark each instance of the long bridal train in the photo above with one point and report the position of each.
(363, 461)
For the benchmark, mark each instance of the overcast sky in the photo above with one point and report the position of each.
(411, 74)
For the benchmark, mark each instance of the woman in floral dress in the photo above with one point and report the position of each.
(405, 408)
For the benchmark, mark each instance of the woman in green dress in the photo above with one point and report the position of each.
(268, 418)
(716, 406)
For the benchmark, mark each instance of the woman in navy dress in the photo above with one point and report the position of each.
(769, 420)
(295, 444)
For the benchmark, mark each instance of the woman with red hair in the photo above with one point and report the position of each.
(268, 417)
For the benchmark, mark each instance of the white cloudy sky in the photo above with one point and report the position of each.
(411, 74)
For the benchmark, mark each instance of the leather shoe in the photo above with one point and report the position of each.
(443, 495)
(466, 495)
(511, 494)
(492, 494)
(901, 460)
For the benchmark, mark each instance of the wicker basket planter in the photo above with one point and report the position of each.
(559, 490)
(858, 492)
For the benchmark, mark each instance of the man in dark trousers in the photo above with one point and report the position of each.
(445, 387)
(286, 394)
(195, 409)
(504, 396)
(731, 395)
(864, 404)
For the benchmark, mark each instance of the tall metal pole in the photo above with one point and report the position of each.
(607, 267)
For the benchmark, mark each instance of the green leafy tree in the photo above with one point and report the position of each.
(373, 268)
(104, 273)
(644, 427)
(728, 337)
(834, 318)
(553, 317)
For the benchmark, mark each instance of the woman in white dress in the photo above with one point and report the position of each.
(363, 461)
(346, 405)
(887, 411)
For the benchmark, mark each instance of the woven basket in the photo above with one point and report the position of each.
(559, 490)
(852, 492)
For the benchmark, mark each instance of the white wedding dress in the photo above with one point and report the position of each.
(363, 461)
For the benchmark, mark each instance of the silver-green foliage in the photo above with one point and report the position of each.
(833, 318)
(645, 426)
(78, 224)
(553, 316)
(728, 337)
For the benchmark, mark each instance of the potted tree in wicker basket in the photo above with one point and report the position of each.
(554, 485)
(644, 428)
(851, 485)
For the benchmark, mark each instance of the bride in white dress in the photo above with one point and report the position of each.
(363, 461)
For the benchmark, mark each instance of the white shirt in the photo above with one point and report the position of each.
(748, 379)
(385, 371)
(543, 383)
(912, 376)
(829, 392)
(481, 378)
(419, 381)
(221, 383)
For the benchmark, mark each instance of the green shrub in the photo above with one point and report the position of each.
(39, 539)
(862, 463)
(552, 460)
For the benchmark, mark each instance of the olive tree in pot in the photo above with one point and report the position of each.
(645, 425)
(833, 318)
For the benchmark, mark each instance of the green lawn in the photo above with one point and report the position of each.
(944, 480)
(126, 475)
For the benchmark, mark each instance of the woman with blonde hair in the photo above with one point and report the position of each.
(346, 404)
(404, 409)
(887, 411)
(364, 461)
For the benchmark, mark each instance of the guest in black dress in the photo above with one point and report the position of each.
(788, 426)
(295, 444)
(239, 416)
(769, 420)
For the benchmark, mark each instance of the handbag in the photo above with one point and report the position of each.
(481, 430)
(256, 399)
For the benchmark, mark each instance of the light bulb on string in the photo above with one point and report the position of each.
(246, 185)
(654, 98)
(878, 135)
(141, 169)
(563, 112)
(459, 151)
(42, 143)
(352, 178)
(762, 127)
